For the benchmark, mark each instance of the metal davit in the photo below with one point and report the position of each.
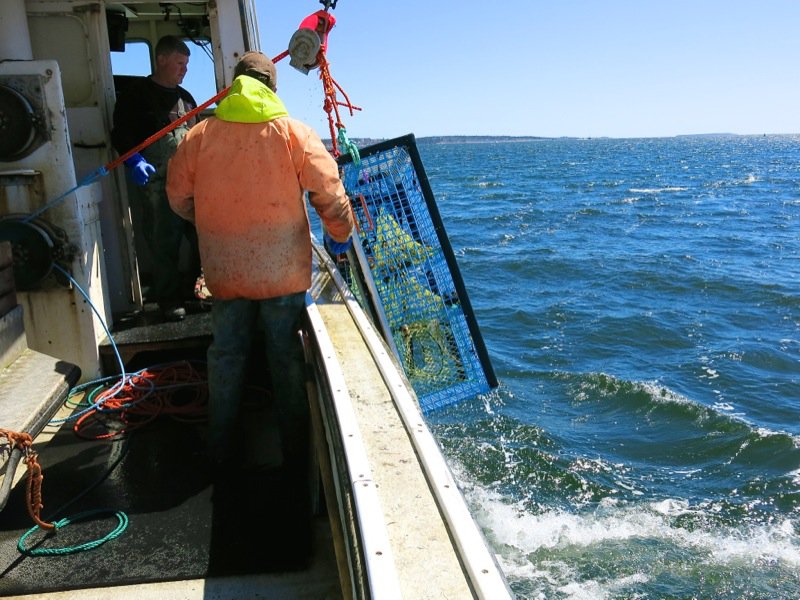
(406, 276)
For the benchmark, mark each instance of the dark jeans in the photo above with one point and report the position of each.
(233, 325)
(164, 232)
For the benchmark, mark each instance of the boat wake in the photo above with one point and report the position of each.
(622, 549)
(606, 522)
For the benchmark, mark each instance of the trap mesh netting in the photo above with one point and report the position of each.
(406, 276)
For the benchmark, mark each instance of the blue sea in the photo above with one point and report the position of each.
(640, 301)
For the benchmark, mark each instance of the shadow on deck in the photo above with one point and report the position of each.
(144, 339)
(186, 521)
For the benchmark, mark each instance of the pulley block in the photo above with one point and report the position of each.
(303, 49)
(35, 247)
(309, 40)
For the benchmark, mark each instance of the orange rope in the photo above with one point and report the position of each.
(176, 123)
(177, 389)
(33, 489)
(332, 104)
(162, 132)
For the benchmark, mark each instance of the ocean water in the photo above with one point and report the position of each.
(640, 300)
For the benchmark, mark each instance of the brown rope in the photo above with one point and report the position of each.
(33, 490)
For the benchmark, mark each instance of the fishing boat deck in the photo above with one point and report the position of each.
(189, 535)
(188, 538)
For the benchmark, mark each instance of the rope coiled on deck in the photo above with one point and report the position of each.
(122, 525)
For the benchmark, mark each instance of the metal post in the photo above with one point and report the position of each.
(15, 39)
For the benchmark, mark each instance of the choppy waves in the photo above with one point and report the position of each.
(640, 300)
(604, 522)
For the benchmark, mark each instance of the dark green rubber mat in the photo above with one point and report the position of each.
(183, 523)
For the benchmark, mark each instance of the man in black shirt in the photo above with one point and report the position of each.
(146, 106)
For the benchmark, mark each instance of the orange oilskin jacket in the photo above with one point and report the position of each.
(240, 176)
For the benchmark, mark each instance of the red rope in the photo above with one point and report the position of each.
(177, 123)
(177, 390)
(331, 104)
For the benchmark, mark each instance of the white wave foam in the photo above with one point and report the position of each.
(766, 432)
(671, 507)
(519, 534)
(657, 190)
(658, 393)
(490, 184)
(795, 475)
(595, 590)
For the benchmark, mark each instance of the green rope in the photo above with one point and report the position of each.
(348, 147)
(122, 525)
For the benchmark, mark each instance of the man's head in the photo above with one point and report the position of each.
(172, 61)
(258, 66)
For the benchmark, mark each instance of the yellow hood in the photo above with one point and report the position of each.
(250, 101)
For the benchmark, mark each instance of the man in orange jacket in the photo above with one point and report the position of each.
(241, 178)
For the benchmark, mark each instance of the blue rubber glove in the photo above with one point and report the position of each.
(335, 247)
(141, 170)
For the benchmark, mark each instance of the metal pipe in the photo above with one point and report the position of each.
(8, 478)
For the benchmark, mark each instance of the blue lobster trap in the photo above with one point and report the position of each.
(406, 277)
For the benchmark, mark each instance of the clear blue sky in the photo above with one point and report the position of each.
(619, 68)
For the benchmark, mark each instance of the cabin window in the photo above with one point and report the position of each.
(199, 80)
(135, 60)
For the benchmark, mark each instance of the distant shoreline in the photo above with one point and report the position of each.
(492, 139)
(363, 142)
(455, 139)
(478, 139)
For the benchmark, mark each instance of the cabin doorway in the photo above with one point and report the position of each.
(131, 59)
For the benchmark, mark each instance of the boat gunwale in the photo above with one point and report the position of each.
(377, 555)
(483, 572)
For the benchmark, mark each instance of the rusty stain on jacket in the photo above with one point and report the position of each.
(240, 176)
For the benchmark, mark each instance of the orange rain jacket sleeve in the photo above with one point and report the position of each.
(243, 184)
